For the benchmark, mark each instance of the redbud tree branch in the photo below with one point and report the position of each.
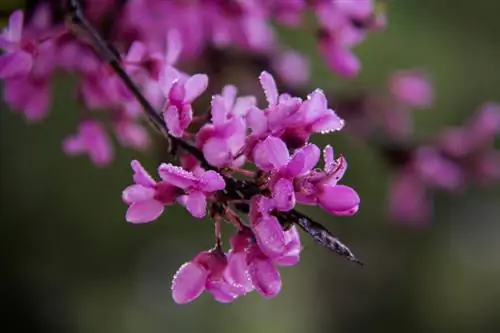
(235, 189)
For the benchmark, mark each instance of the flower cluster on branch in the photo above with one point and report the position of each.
(240, 163)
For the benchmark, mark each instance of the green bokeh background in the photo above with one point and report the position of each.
(72, 264)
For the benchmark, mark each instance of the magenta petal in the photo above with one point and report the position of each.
(72, 145)
(327, 123)
(195, 86)
(189, 282)
(220, 295)
(136, 52)
(174, 46)
(316, 104)
(295, 165)
(216, 151)
(172, 118)
(144, 211)
(176, 176)
(291, 255)
(283, 195)
(328, 157)
(269, 86)
(195, 203)
(97, 143)
(270, 236)
(211, 181)
(218, 110)
(134, 193)
(338, 198)
(236, 272)
(265, 278)
(15, 64)
(141, 176)
(15, 27)
(271, 153)
(256, 120)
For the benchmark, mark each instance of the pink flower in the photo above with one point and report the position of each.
(180, 93)
(38, 89)
(408, 199)
(204, 273)
(90, 139)
(249, 266)
(225, 136)
(412, 88)
(147, 198)
(131, 134)
(197, 188)
(18, 59)
(291, 59)
(339, 58)
(322, 188)
(289, 117)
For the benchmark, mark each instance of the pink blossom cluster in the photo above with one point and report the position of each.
(247, 24)
(276, 140)
(156, 33)
(457, 157)
(236, 132)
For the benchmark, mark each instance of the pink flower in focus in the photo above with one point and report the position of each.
(225, 136)
(322, 188)
(290, 118)
(90, 139)
(180, 93)
(204, 273)
(147, 198)
(197, 188)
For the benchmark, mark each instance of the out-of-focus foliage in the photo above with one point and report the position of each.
(72, 264)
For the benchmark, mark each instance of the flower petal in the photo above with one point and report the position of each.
(270, 236)
(15, 27)
(256, 120)
(217, 153)
(172, 118)
(15, 64)
(219, 110)
(144, 211)
(291, 255)
(195, 203)
(338, 199)
(265, 278)
(195, 86)
(269, 86)
(236, 272)
(141, 176)
(189, 282)
(211, 181)
(271, 153)
(174, 46)
(176, 176)
(135, 193)
(283, 195)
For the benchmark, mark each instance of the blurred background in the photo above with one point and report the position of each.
(72, 264)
